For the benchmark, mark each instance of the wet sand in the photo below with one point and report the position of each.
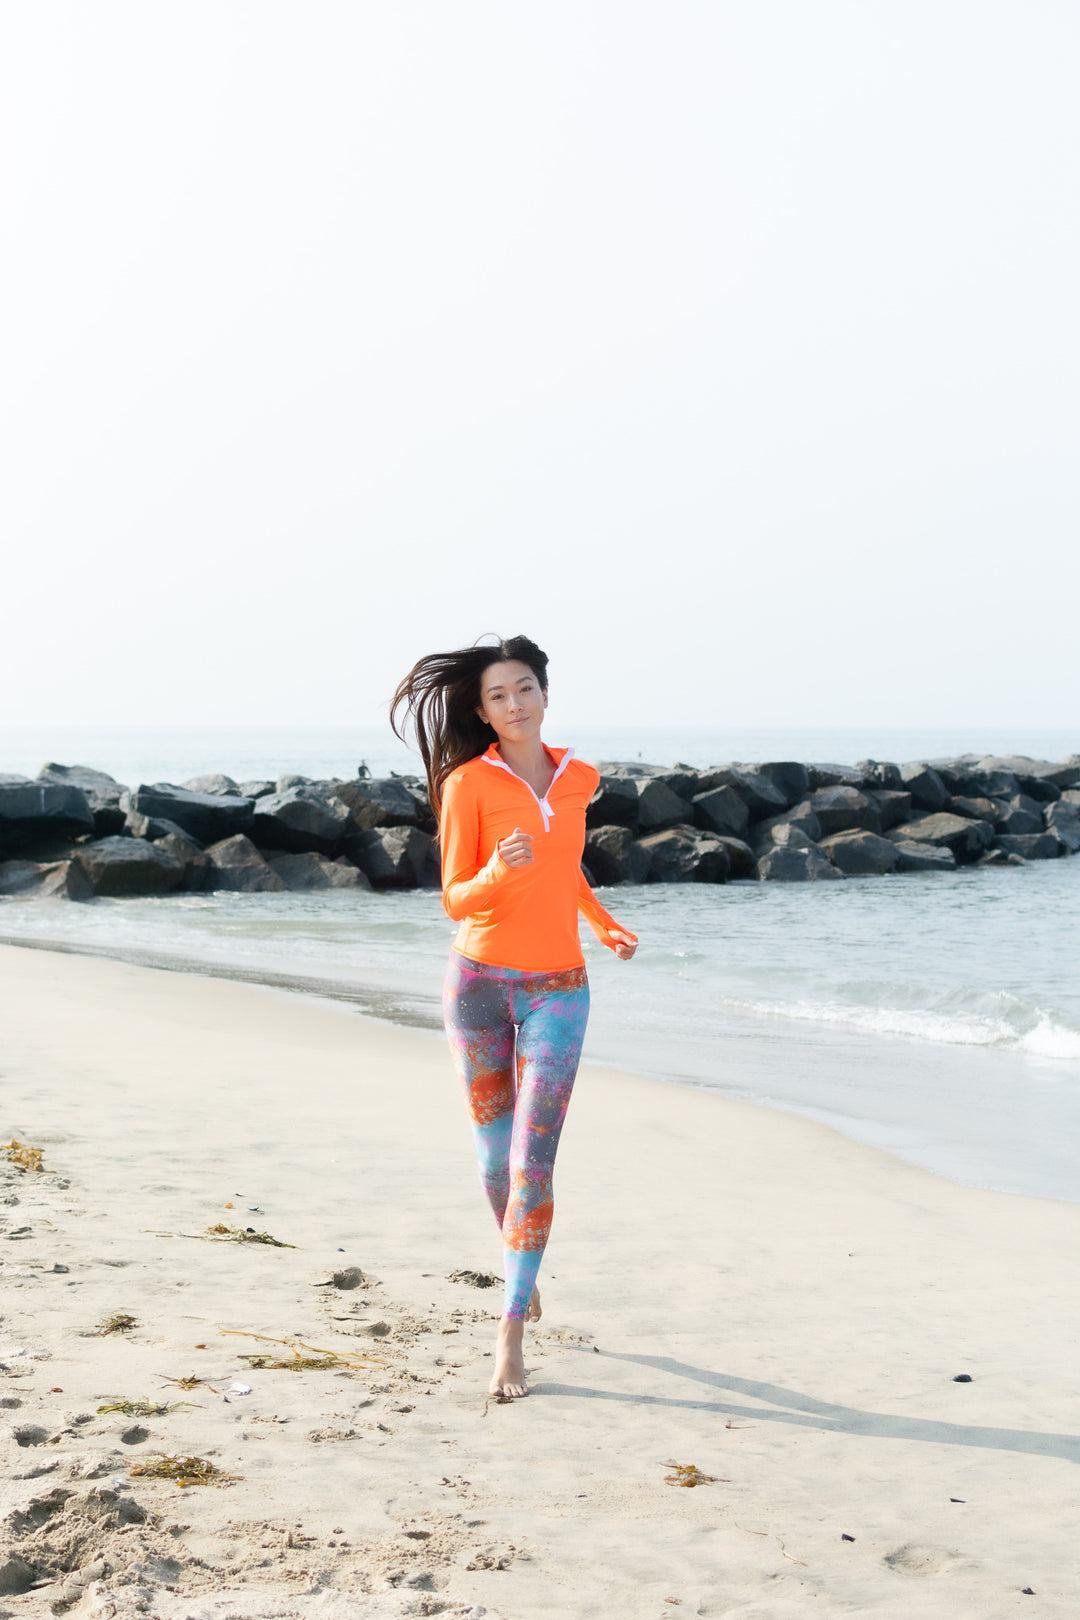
(726, 1286)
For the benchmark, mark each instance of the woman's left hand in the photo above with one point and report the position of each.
(625, 944)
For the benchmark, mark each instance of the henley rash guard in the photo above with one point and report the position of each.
(522, 917)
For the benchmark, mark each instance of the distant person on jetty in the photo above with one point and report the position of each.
(516, 1002)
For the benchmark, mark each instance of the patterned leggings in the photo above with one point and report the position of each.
(505, 1025)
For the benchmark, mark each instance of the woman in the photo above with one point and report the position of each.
(512, 827)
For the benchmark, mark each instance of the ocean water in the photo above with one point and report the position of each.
(935, 1016)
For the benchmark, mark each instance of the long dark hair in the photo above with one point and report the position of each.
(439, 697)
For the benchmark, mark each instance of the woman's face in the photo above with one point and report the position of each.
(512, 701)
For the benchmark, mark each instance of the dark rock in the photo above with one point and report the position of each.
(257, 789)
(1062, 773)
(1044, 846)
(976, 783)
(881, 774)
(42, 880)
(154, 827)
(196, 862)
(1000, 857)
(953, 771)
(800, 816)
(721, 810)
(426, 819)
(685, 855)
(102, 793)
(826, 776)
(791, 780)
(47, 847)
(614, 857)
(659, 806)
(1070, 796)
(130, 866)
(312, 871)
(683, 780)
(967, 839)
(208, 817)
(29, 810)
(1039, 788)
(894, 805)
(377, 801)
(1063, 820)
(614, 804)
(236, 865)
(215, 782)
(914, 857)
(742, 860)
(795, 863)
(840, 809)
(976, 809)
(301, 819)
(756, 791)
(861, 854)
(1021, 815)
(926, 786)
(290, 779)
(395, 857)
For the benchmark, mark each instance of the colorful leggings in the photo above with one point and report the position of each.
(505, 1025)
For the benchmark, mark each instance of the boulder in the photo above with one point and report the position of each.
(1063, 820)
(841, 808)
(881, 773)
(721, 810)
(894, 805)
(13, 779)
(377, 801)
(926, 786)
(312, 871)
(861, 854)
(796, 863)
(236, 865)
(123, 867)
(208, 817)
(102, 793)
(214, 782)
(791, 780)
(685, 855)
(41, 880)
(301, 819)
(1070, 796)
(913, 857)
(1062, 773)
(826, 776)
(614, 804)
(1044, 846)
(31, 810)
(967, 839)
(659, 806)
(257, 789)
(614, 857)
(741, 858)
(154, 827)
(756, 791)
(976, 809)
(765, 833)
(195, 860)
(683, 780)
(426, 818)
(395, 857)
(1000, 857)
(1021, 814)
(291, 779)
(975, 783)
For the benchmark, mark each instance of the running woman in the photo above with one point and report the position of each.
(516, 1001)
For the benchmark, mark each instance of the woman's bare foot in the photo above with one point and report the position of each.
(508, 1379)
(534, 1312)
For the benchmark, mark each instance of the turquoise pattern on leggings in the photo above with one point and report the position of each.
(516, 1041)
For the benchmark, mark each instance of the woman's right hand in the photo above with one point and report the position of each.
(517, 849)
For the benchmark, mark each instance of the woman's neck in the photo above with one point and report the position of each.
(530, 760)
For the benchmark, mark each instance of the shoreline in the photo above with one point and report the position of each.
(727, 1286)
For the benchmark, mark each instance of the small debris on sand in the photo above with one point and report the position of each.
(119, 1322)
(26, 1158)
(475, 1279)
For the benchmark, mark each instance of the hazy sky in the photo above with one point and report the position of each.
(728, 349)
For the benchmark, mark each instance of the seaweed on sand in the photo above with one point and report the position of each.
(143, 1408)
(236, 1234)
(475, 1279)
(26, 1158)
(317, 1361)
(190, 1382)
(689, 1475)
(119, 1322)
(184, 1470)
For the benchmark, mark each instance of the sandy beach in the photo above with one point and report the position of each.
(726, 1287)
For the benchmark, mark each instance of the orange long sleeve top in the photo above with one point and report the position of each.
(522, 917)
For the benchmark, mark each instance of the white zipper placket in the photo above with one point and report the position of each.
(545, 808)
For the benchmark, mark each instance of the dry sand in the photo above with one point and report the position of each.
(726, 1286)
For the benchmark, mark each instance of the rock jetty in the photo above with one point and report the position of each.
(75, 833)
